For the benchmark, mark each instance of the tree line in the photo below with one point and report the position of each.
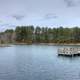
(31, 34)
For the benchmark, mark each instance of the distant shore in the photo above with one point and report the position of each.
(47, 44)
(5, 45)
(50, 44)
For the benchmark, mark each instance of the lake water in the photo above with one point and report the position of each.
(37, 62)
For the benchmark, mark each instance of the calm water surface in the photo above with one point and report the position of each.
(37, 62)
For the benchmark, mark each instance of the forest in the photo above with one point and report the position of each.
(31, 34)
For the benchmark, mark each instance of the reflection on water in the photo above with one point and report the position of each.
(37, 62)
(70, 58)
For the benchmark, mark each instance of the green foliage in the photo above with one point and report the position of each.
(9, 31)
(31, 34)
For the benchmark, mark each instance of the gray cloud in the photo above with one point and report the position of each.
(72, 3)
(69, 3)
(18, 17)
(50, 16)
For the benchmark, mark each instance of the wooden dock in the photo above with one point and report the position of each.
(69, 52)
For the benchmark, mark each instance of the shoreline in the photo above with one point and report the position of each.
(49, 44)
(57, 44)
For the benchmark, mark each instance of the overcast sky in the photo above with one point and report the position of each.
(39, 12)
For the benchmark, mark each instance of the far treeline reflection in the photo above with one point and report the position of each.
(31, 34)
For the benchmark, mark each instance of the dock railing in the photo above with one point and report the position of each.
(68, 51)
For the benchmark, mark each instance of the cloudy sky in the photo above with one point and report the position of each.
(39, 12)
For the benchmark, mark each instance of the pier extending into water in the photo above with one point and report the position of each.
(69, 51)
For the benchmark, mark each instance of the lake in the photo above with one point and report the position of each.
(37, 62)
